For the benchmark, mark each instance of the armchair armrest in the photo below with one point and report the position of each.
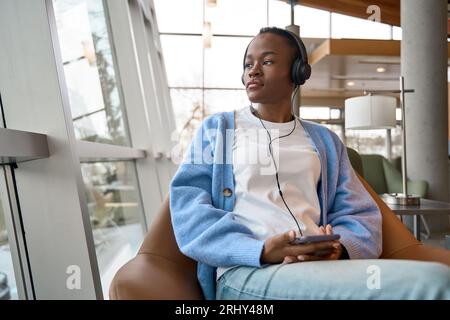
(152, 277)
(422, 253)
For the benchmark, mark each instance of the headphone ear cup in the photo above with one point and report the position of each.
(296, 74)
(306, 72)
(300, 72)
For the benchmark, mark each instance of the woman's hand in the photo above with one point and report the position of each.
(333, 255)
(279, 248)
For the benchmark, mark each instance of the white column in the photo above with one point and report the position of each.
(424, 66)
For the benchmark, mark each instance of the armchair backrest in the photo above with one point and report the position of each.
(383, 175)
(374, 172)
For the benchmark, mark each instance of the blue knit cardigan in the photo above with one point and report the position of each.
(202, 213)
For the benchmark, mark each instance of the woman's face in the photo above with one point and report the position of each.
(267, 69)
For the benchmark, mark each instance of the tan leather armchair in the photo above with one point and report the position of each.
(161, 271)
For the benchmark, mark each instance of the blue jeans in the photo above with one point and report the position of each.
(339, 279)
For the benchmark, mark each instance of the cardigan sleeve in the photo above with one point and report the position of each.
(354, 214)
(204, 232)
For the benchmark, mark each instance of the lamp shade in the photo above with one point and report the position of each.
(370, 112)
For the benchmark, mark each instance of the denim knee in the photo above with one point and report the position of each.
(432, 282)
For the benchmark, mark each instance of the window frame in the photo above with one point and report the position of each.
(50, 190)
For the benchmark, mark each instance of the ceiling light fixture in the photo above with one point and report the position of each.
(381, 69)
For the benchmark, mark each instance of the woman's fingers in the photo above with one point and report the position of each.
(310, 248)
(288, 237)
(289, 259)
(283, 239)
(279, 248)
(325, 255)
(309, 257)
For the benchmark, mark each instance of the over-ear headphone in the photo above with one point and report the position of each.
(300, 69)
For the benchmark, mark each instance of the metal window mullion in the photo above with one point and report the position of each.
(154, 45)
(150, 85)
(151, 75)
(143, 135)
(151, 79)
(85, 216)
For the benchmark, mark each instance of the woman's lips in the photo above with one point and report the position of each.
(254, 85)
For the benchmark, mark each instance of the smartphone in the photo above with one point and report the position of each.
(316, 238)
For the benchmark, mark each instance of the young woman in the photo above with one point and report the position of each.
(255, 179)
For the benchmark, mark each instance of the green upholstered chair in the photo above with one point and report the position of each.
(384, 177)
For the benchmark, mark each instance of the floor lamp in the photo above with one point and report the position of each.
(373, 111)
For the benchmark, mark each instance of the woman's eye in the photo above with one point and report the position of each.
(248, 65)
(268, 62)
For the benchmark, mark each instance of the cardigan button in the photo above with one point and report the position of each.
(227, 192)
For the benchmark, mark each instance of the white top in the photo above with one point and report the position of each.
(258, 203)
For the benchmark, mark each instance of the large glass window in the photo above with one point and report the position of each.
(225, 100)
(207, 79)
(187, 105)
(183, 58)
(98, 113)
(115, 213)
(172, 14)
(237, 17)
(315, 112)
(192, 105)
(343, 26)
(374, 141)
(222, 67)
(314, 23)
(89, 68)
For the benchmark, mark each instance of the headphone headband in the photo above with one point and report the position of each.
(300, 69)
